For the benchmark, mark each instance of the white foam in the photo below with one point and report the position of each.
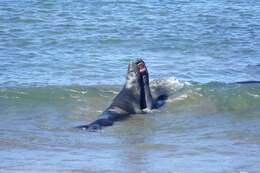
(73, 90)
(83, 92)
(171, 83)
(254, 95)
(110, 91)
(146, 110)
(184, 96)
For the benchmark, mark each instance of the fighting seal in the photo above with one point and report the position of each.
(134, 97)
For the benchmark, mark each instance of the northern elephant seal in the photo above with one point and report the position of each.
(134, 97)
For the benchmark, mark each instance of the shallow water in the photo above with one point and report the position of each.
(210, 127)
(61, 63)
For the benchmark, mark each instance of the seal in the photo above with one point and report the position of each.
(150, 99)
(134, 97)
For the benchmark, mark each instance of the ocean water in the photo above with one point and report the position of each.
(62, 62)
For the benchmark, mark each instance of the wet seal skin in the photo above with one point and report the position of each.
(134, 97)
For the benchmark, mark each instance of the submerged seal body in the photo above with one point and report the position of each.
(133, 98)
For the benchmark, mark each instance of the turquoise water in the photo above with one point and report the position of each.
(62, 62)
(202, 128)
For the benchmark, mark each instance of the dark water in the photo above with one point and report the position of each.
(62, 62)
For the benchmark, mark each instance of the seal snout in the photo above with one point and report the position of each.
(141, 67)
(140, 64)
(131, 66)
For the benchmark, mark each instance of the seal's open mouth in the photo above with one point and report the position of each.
(141, 67)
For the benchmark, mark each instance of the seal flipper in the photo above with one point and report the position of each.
(83, 127)
(160, 95)
(160, 101)
(96, 125)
